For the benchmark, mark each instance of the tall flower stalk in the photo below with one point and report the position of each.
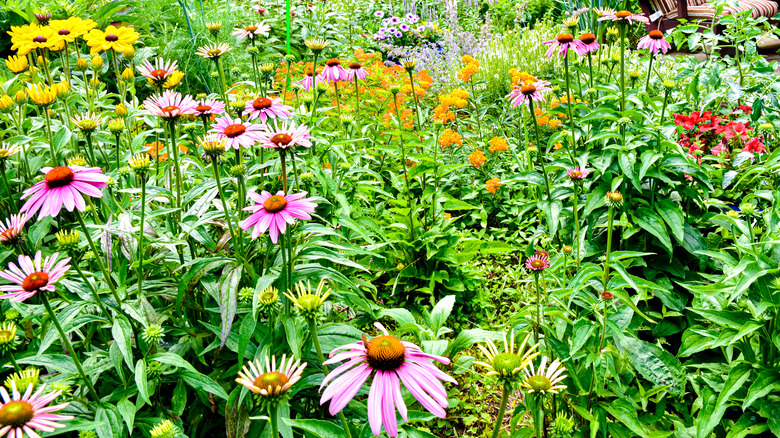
(140, 166)
(576, 175)
(537, 264)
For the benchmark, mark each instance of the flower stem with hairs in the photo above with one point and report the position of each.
(406, 180)
(501, 409)
(539, 146)
(416, 102)
(649, 70)
(142, 177)
(357, 103)
(576, 225)
(215, 169)
(569, 102)
(622, 65)
(538, 326)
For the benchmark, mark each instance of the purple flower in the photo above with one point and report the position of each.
(399, 35)
(394, 20)
(379, 14)
(412, 18)
(404, 27)
(392, 30)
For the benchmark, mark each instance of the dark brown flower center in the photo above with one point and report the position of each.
(528, 89)
(269, 381)
(40, 39)
(111, 37)
(250, 28)
(623, 14)
(537, 264)
(275, 204)
(159, 73)
(16, 413)
(607, 295)
(281, 139)
(384, 353)
(333, 62)
(355, 65)
(576, 174)
(588, 38)
(59, 176)
(35, 281)
(656, 34)
(202, 108)
(64, 32)
(565, 38)
(262, 103)
(233, 131)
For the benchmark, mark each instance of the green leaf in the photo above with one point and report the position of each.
(768, 381)
(228, 301)
(190, 375)
(127, 410)
(673, 216)
(552, 212)
(713, 408)
(652, 223)
(245, 336)
(441, 311)
(400, 316)
(317, 428)
(626, 414)
(140, 381)
(467, 338)
(655, 364)
(122, 334)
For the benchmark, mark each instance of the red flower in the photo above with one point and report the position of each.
(720, 149)
(745, 109)
(754, 146)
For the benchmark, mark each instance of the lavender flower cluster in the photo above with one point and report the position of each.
(402, 30)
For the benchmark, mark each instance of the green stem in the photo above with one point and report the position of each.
(69, 347)
(214, 168)
(501, 410)
(649, 70)
(622, 66)
(48, 135)
(569, 103)
(99, 259)
(283, 160)
(537, 328)
(416, 102)
(357, 102)
(576, 225)
(13, 362)
(605, 279)
(539, 147)
(95, 295)
(272, 418)
(141, 236)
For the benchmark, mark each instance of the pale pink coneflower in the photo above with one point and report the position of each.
(625, 16)
(270, 381)
(212, 51)
(654, 42)
(170, 105)
(392, 362)
(355, 69)
(251, 31)
(237, 133)
(562, 43)
(10, 230)
(63, 185)
(308, 81)
(266, 108)
(333, 71)
(537, 263)
(577, 173)
(21, 413)
(589, 44)
(284, 136)
(274, 212)
(207, 107)
(159, 71)
(527, 93)
(32, 276)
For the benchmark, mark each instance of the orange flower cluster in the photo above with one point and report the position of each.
(492, 185)
(154, 148)
(456, 98)
(471, 68)
(447, 216)
(521, 77)
(449, 138)
(565, 99)
(543, 118)
(477, 158)
(498, 144)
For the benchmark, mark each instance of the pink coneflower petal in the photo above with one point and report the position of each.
(273, 213)
(63, 185)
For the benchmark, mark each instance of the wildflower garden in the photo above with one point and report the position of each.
(418, 218)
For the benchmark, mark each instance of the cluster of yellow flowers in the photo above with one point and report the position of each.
(449, 138)
(498, 144)
(477, 158)
(471, 68)
(521, 77)
(456, 98)
(492, 185)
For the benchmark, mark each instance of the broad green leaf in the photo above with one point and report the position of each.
(713, 408)
(768, 381)
(140, 381)
(626, 414)
(441, 311)
(652, 223)
(317, 428)
(673, 216)
(123, 334)
(655, 364)
(127, 410)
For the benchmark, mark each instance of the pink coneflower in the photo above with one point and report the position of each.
(625, 16)
(237, 133)
(272, 381)
(274, 212)
(391, 361)
(523, 95)
(13, 226)
(32, 276)
(333, 71)
(589, 44)
(577, 173)
(21, 414)
(654, 42)
(355, 69)
(159, 71)
(252, 31)
(537, 263)
(562, 43)
(207, 107)
(308, 81)
(285, 136)
(213, 51)
(267, 108)
(63, 185)
(170, 105)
